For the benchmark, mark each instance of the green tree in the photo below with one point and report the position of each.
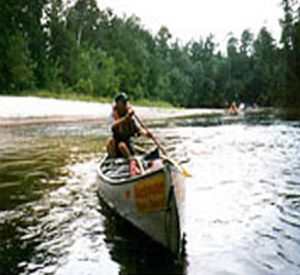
(246, 66)
(266, 80)
(290, 41)
(21, 23)
(82, 20)
(20, 70)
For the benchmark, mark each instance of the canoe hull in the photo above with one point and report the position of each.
(154, 203)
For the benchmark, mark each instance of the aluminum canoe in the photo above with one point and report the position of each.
(153, 202)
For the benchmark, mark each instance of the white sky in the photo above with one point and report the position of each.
(190, 19)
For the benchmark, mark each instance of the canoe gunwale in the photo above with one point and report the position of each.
(130, 180)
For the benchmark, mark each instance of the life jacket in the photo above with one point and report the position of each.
(116, 113)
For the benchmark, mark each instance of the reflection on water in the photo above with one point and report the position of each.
(130, 248)
(242, 212)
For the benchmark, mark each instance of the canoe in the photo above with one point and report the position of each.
(153, 201)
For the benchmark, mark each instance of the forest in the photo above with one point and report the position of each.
(77, 47)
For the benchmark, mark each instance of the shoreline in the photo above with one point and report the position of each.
(44, 120)
(16, 111)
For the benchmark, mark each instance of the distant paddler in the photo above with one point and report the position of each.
(233, 109)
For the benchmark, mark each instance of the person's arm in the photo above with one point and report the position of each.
(138, 129)
(146, 133)
(122, 120)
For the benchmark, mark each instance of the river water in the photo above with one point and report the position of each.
(242, 202)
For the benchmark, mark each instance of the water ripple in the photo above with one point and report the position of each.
(242, 207)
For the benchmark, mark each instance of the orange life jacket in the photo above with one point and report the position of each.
(116, 113)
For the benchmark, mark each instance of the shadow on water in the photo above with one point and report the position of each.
(135, 252)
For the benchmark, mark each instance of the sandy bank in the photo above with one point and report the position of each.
(34, 110)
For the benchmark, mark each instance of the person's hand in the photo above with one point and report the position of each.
(130, 113)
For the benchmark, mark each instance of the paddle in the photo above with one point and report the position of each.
(182, 169)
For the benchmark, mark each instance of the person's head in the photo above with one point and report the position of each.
(121, 100)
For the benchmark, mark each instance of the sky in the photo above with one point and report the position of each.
(191, 19)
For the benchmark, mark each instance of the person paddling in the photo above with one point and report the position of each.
(124, 127)
(233, 109)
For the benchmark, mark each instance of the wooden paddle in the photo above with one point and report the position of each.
(175, 163)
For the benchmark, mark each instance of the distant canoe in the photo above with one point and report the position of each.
(153, 201)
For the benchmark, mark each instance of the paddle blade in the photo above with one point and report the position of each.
(180, 168)
(185, 172)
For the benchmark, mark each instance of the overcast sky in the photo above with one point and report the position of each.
(190, 19)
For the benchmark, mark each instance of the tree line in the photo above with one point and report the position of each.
(64, 47)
